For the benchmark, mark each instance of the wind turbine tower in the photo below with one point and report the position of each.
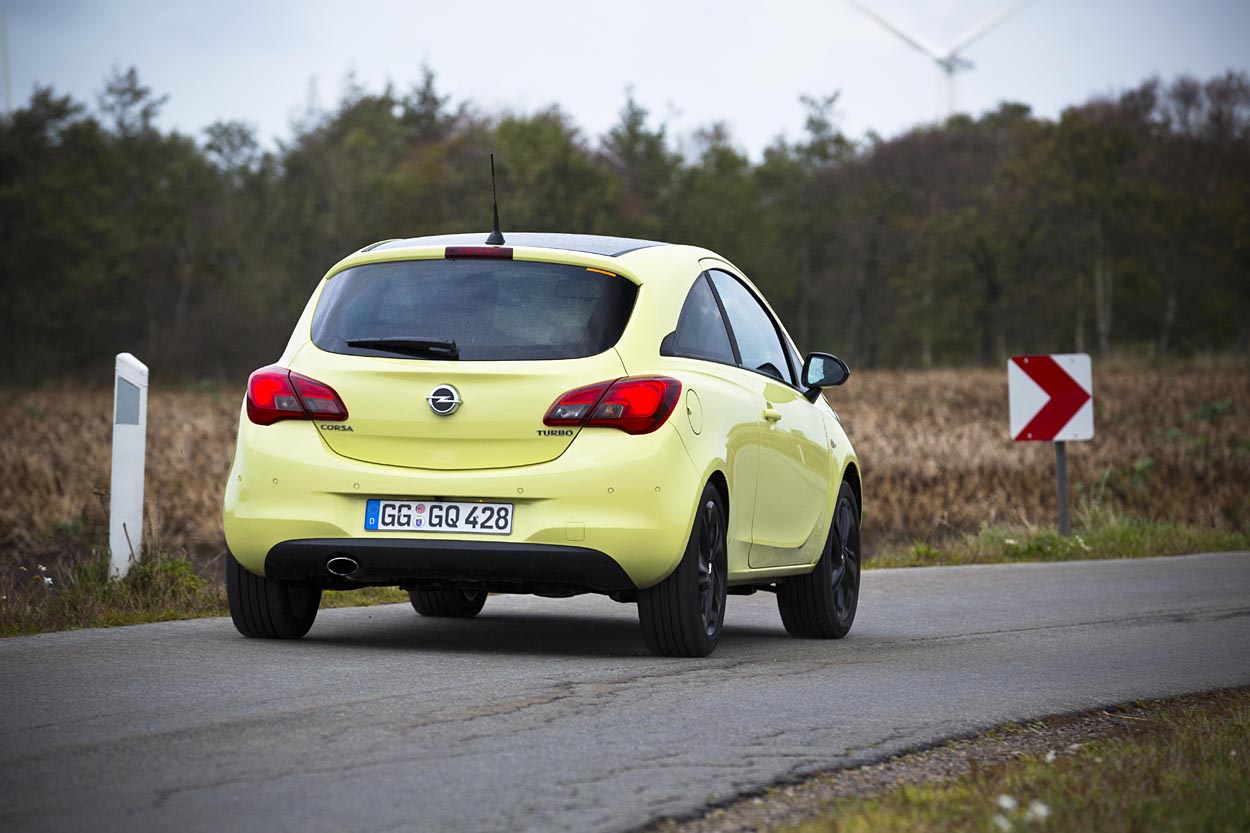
(4, 63)
(949, 61)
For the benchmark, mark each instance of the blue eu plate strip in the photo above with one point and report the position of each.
(371, 514)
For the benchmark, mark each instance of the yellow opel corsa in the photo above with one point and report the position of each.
(556, 415)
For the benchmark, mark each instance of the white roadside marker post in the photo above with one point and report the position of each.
(130, 428)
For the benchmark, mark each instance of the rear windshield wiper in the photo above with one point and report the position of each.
(440, 348)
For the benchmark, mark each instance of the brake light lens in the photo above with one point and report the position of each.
(270, 397)
(635, 405)
(502, 252)
(275, 393)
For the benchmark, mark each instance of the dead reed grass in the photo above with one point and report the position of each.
(56, 456)
(1172, 445)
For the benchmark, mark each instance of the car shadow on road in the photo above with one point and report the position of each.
(529, 633)
(494, 633)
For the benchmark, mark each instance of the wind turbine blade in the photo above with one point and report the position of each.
(985, 27)
(912, 40)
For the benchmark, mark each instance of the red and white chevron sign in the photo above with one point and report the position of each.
(1051, 397)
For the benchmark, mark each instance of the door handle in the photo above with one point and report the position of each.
(772, 414)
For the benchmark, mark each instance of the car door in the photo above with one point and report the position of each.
(721, 403)
(792, 488)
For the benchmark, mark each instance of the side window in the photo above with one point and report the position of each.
(701, 330)
(753, 329)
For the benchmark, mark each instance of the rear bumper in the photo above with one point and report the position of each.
(628, 498)
(491, 564)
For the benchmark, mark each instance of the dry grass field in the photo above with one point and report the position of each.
(1172, 444)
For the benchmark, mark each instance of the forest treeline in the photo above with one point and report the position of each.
(1124, 225)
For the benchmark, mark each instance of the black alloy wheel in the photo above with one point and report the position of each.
(712, 585)
(822, 604)
(846, 571)
(682, 616)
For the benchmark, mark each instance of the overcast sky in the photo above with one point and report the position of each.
(689, 63)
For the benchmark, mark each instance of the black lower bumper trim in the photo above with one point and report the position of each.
(400, 561)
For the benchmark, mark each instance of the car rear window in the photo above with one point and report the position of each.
(493, 310)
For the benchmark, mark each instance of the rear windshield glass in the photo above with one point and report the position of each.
(493, 310)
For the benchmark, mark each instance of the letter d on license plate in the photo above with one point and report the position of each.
(438, 516)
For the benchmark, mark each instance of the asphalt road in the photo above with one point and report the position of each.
(549, 715)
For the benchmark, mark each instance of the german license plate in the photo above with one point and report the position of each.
(438, 516)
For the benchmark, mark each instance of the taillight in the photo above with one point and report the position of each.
(573, 407)
(319, 400)
(270, 397)
(637, 405)
(275, 393)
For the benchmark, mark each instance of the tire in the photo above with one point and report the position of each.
(822, 604)
(451, 604)
(683, 614)
(268, 608)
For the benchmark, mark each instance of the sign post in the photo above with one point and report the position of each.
(1051, 399)
(130, 428)
(1061, 474)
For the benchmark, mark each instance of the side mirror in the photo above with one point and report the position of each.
(823, 370)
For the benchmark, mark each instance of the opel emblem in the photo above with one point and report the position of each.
(444, 400)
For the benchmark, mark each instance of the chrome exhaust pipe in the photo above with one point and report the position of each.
(343, 566)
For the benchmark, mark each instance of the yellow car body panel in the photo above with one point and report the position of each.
(287, 484)
(632, 497)
(495, 429)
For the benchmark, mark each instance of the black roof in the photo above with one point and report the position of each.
(589, 243)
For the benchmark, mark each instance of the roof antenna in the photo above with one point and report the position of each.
(496, 236)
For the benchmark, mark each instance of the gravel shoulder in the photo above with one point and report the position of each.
(1063, 734)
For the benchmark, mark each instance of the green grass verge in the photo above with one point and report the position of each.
(1187, 769)
(1096, 534)
(158, 587)
(363, 596)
